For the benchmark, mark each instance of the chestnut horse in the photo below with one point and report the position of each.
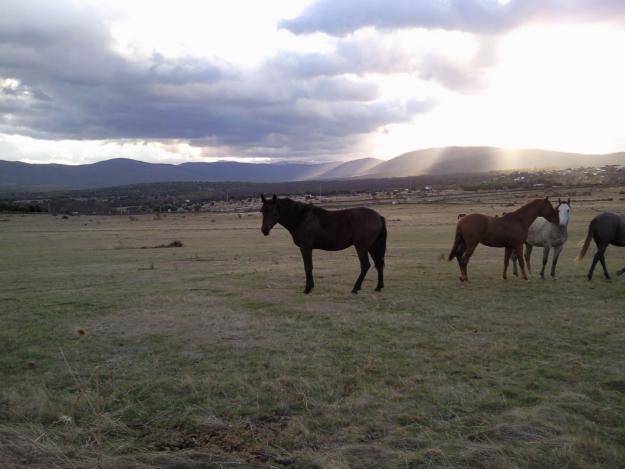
(508, 231)
(315, 228)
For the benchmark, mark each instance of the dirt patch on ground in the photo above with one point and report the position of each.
(192, 319)
(254, 441)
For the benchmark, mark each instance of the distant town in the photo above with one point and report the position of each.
(190, 197)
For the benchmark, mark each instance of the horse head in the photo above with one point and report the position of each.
(270, 213)
(564, 209)
(548, 212)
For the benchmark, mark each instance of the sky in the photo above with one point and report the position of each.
(306, 80)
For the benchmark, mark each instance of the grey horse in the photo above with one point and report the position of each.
(606, 228)
(547, 235)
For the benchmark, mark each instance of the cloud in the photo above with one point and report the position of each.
(371, 52)
(358, 54)
(341, 17)
(63, 79)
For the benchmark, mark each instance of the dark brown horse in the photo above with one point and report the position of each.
(315, 228)
(606, 228)
(508, 231)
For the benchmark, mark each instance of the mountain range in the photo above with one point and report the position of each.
(17, 176)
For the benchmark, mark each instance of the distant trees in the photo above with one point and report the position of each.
(21, 208)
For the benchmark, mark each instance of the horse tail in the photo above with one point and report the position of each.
(584, 244)
(380, 242)
(455, 249)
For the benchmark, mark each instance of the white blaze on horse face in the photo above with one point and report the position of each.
(563, 211)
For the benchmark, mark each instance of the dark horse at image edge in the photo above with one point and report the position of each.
(316, 228)
(508, 231)
(606, 228)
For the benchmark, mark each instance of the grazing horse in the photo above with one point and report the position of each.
(606, 228)
(315, 228)
(548, 235)
(508, 231)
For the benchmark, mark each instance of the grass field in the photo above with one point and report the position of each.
(209, 355)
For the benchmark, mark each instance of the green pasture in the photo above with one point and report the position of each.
(116, 354)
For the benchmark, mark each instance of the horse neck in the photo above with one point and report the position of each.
(557, 232)
(528, 213)
(291, 214)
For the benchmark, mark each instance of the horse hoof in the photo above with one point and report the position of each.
(378, 289)
(307, 291)
(354, 292)
(542, 277)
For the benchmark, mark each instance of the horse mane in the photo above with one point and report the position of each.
(293, 206)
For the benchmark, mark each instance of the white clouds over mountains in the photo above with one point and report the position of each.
(65, 76)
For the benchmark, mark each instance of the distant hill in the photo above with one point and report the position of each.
(16, 176)
(351, 168)
(472, 160)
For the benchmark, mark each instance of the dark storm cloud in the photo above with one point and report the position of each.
(71, 84)
(340, 17)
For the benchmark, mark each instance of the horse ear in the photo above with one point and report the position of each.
(547, 198)
(262, 197)
(559, 202)
(275, 197)
(568, 201)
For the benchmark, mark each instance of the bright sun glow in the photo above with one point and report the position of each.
(556, 88)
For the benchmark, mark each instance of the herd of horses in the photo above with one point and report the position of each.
(535, 224)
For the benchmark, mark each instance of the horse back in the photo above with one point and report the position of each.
(609, 228)
(541, 232)
(339, 229)
(491, 231)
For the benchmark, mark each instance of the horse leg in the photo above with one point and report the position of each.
(506, 259)
(363, 256)
(528, 255)
(600, 250)
(378, 261)
(620, 272)
(459, 254)
(602, 260)
(519, 254)
(556, 253)
(514, 268)
(546, 249)
(308, 267)
(459, 259)
(464, 262)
